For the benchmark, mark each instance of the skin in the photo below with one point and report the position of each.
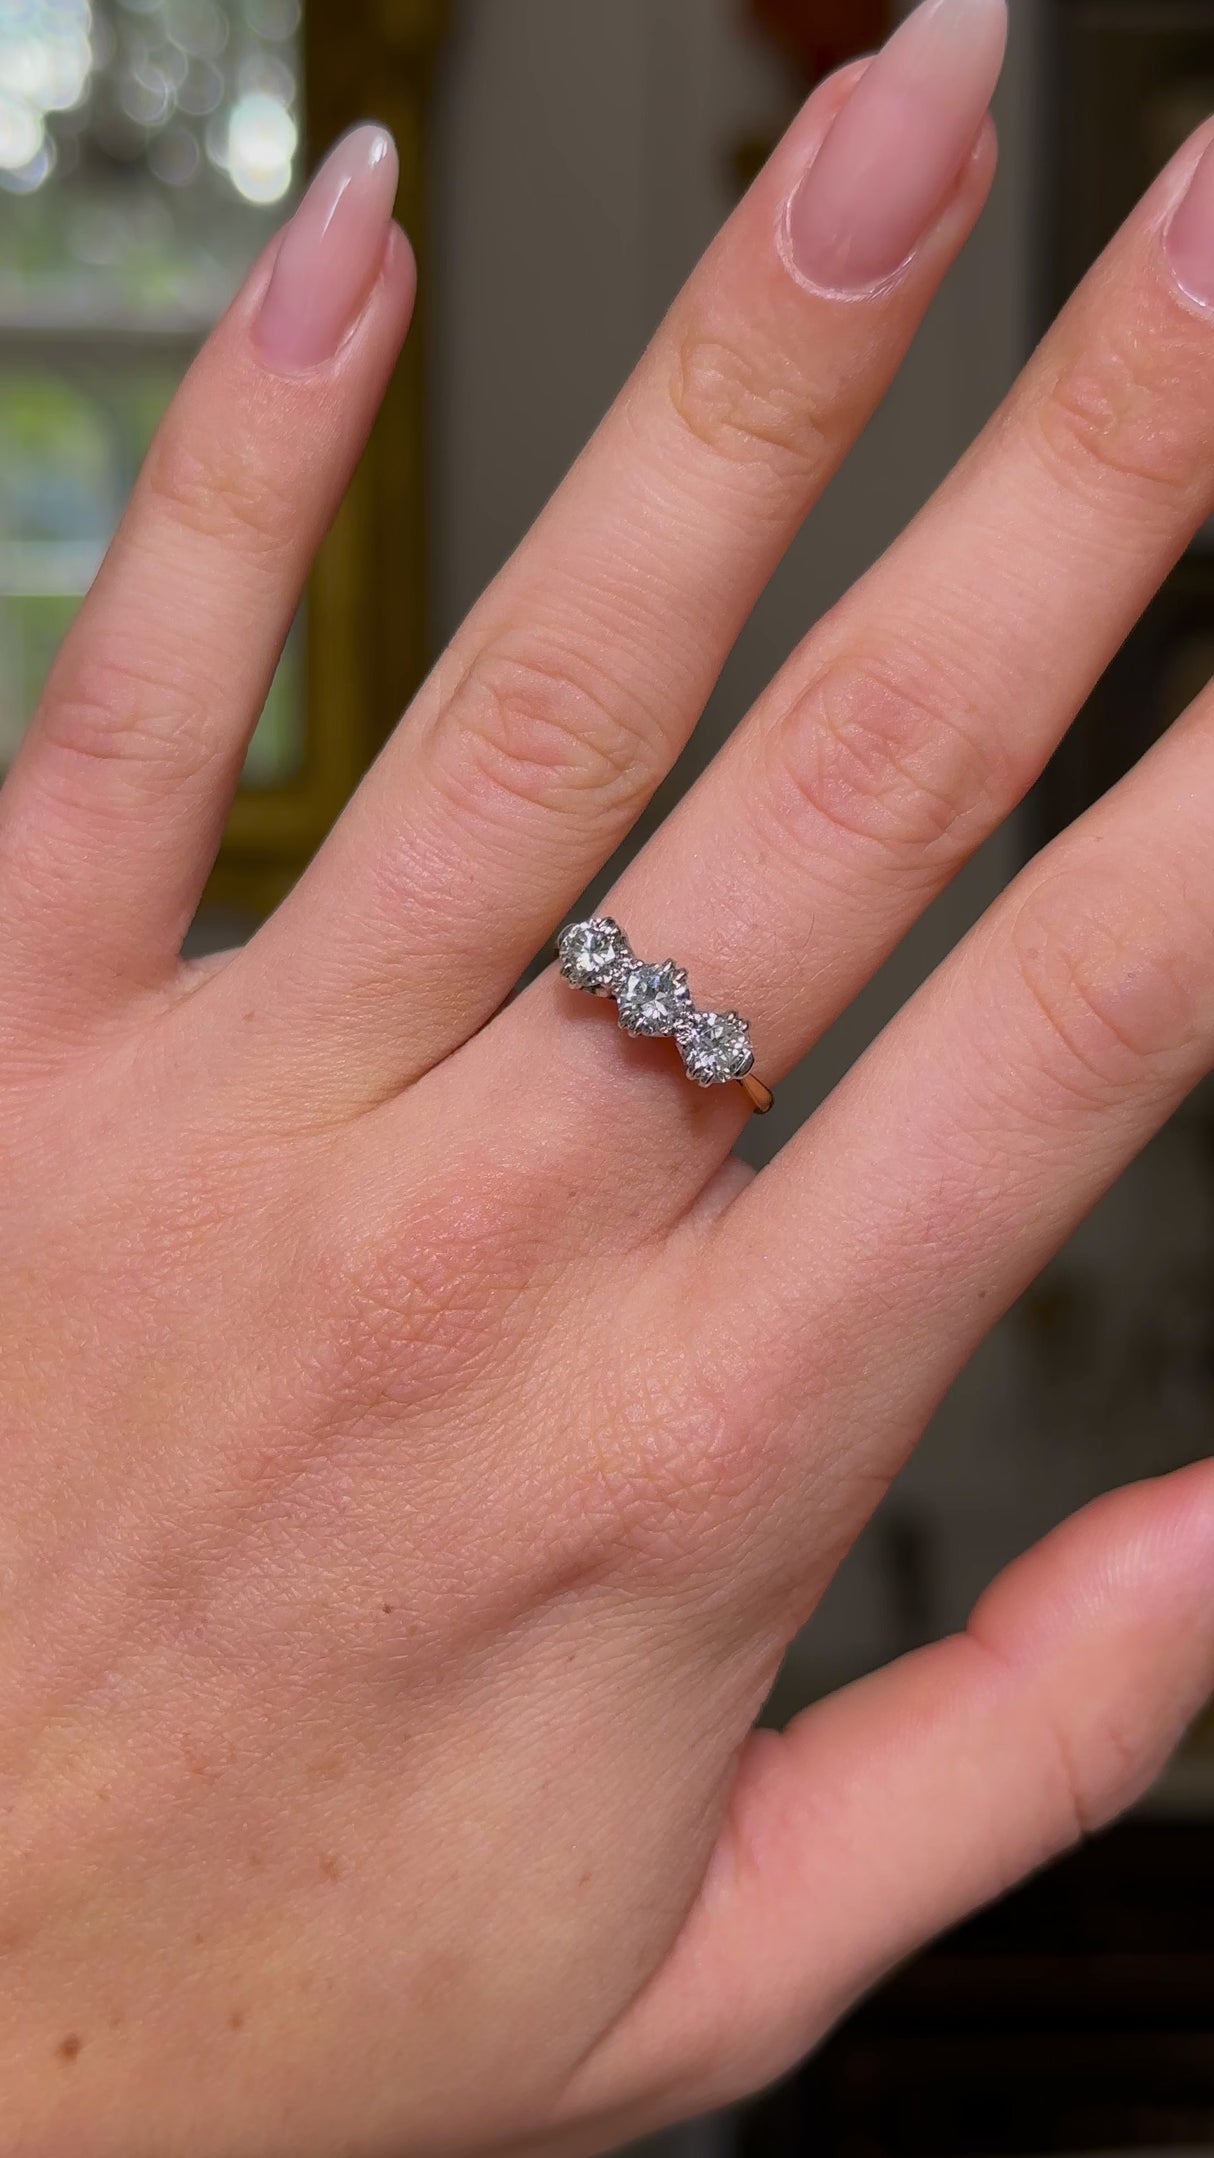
(407, 1501)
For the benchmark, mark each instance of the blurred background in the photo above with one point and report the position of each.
(563, 163)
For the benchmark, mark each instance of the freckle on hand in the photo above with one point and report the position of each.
(69, 2047)
(236, 2020)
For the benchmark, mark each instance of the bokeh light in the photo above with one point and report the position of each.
(261, 145)
(191, 90)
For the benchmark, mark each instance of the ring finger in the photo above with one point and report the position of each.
(917, 715)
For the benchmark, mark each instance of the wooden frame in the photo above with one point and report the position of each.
(366, 600)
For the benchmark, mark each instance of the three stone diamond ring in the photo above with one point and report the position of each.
(653, 999)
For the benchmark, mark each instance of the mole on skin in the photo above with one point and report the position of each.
(69, 2047)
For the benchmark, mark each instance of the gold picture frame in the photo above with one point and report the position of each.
(365, 642)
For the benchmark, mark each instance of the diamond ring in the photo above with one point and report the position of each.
(654, 999)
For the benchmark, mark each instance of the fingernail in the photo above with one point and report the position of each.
(331, 253)
(891, 158)
(1189, 238)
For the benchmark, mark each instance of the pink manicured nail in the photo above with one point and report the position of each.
(1189, 239)
(890, 161)
(331, 252)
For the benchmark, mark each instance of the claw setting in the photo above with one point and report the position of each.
(654, 999)
(715, 1047)
(594, 954)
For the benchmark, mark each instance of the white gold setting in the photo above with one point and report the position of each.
(653, 1000)
(715, 1047)
(593, 954)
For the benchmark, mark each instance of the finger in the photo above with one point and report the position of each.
(919, 714)
(916, 716)
(893, 1809)
(577, 679)
(974, 1136)
(110, 820)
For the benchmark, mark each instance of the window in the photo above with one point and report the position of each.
(148, 150)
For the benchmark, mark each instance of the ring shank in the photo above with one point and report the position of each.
(759, 1096)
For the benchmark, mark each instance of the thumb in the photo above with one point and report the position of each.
(887, 1812)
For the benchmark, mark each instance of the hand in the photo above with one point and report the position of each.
(421, 1436)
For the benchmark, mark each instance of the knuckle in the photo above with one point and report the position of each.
(749, 407)
(1093, 1768)
(678, 1479)
(1120, 1764)
(886, 761)
(1064, 1775)
(218, 490)
(1118, 412)
(521, 726)
(1100, 963)
(134, 715)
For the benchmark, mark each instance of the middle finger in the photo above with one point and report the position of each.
(575, 682)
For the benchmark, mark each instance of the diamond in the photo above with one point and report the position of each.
(593, 954)
(652, 999)
(715, 1047)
